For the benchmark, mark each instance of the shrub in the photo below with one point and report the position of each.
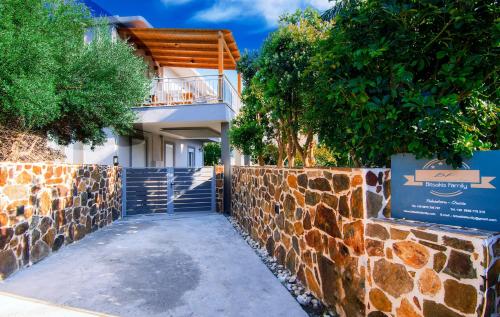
(409, 76)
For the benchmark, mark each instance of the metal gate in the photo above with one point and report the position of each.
(194, 189)
(167, 190)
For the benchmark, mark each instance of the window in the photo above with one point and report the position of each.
(191, 158)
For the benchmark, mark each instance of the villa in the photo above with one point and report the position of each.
(184, 109)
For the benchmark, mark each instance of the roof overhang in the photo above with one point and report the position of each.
(190, 48)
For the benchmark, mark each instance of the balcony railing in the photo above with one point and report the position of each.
(193, 90)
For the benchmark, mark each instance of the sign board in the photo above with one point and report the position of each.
(431, 191)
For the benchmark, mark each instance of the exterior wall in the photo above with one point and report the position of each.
(320, 224)
(119, 145)
(46, 206)
(181, 152)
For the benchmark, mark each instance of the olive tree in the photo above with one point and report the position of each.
(55, 85)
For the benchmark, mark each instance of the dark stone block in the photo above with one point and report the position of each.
(439, 261)
(58, 242)
(375, 230)
(312, 198)
(330, 277)
(302, 180)
(291, 260)
(325, 220)
(458, 243)
(432, 245)
(377, 314)
(307, 221)
(433, 309)
(115, 213)
(21, 228)
(320, 184)
(425, 235)
(373, 204)
(280, 254)
(371, 179)
(344, 206)
(460, 296)
(357, 210)
(387, 189)
(460, 265)
(341, 182)
(39, 251)
(289, 207)
(330, 200)
(8, 263)
(6, 235)
(295, 244)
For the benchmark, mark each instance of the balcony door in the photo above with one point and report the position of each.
(191, 157)
(169, 155)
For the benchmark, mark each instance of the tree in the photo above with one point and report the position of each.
(211, 153)
(54, 85)
(277, 96)
(285, 56)
(409, 76)
(252, 132)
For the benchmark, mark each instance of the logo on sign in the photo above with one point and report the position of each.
(444, 182)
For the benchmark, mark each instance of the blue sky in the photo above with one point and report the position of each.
(249, 20)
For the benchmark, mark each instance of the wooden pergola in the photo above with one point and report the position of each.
(188, 48)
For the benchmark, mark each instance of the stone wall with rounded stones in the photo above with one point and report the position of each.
(312, 221)
(46, 206)
(418, 269)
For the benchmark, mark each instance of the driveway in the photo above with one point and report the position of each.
(182, 265)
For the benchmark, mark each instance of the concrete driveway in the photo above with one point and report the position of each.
(184, 265)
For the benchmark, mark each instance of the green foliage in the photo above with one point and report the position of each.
(409, 76)
(211, 153)
(277, 94)
(54, 84)
(251, 129)
(324, 156)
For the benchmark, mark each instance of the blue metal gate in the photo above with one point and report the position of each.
(168, 190)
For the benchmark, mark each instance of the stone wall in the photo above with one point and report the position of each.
(321, 224)
(312, 220)
(418, 269)
(219, 188)
(46, 206)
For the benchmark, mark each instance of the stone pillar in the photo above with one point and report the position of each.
(226, 161)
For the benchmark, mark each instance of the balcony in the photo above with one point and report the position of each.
(198, 90)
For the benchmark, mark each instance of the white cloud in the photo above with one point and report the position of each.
(269, 10)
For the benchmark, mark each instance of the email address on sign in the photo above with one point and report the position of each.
(420, 212)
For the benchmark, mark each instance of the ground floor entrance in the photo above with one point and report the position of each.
(168, 190)
(187, 264)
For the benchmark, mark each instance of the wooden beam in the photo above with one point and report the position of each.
(191, 65)
(178, 31)
(175, 37)
(221, 54)
(179, 52)
(195, 60)
(228, 50)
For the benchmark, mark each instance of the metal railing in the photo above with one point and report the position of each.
(208, 89)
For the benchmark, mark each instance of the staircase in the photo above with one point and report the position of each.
(194, 189)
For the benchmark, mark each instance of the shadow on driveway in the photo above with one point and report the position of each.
(160, 265)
